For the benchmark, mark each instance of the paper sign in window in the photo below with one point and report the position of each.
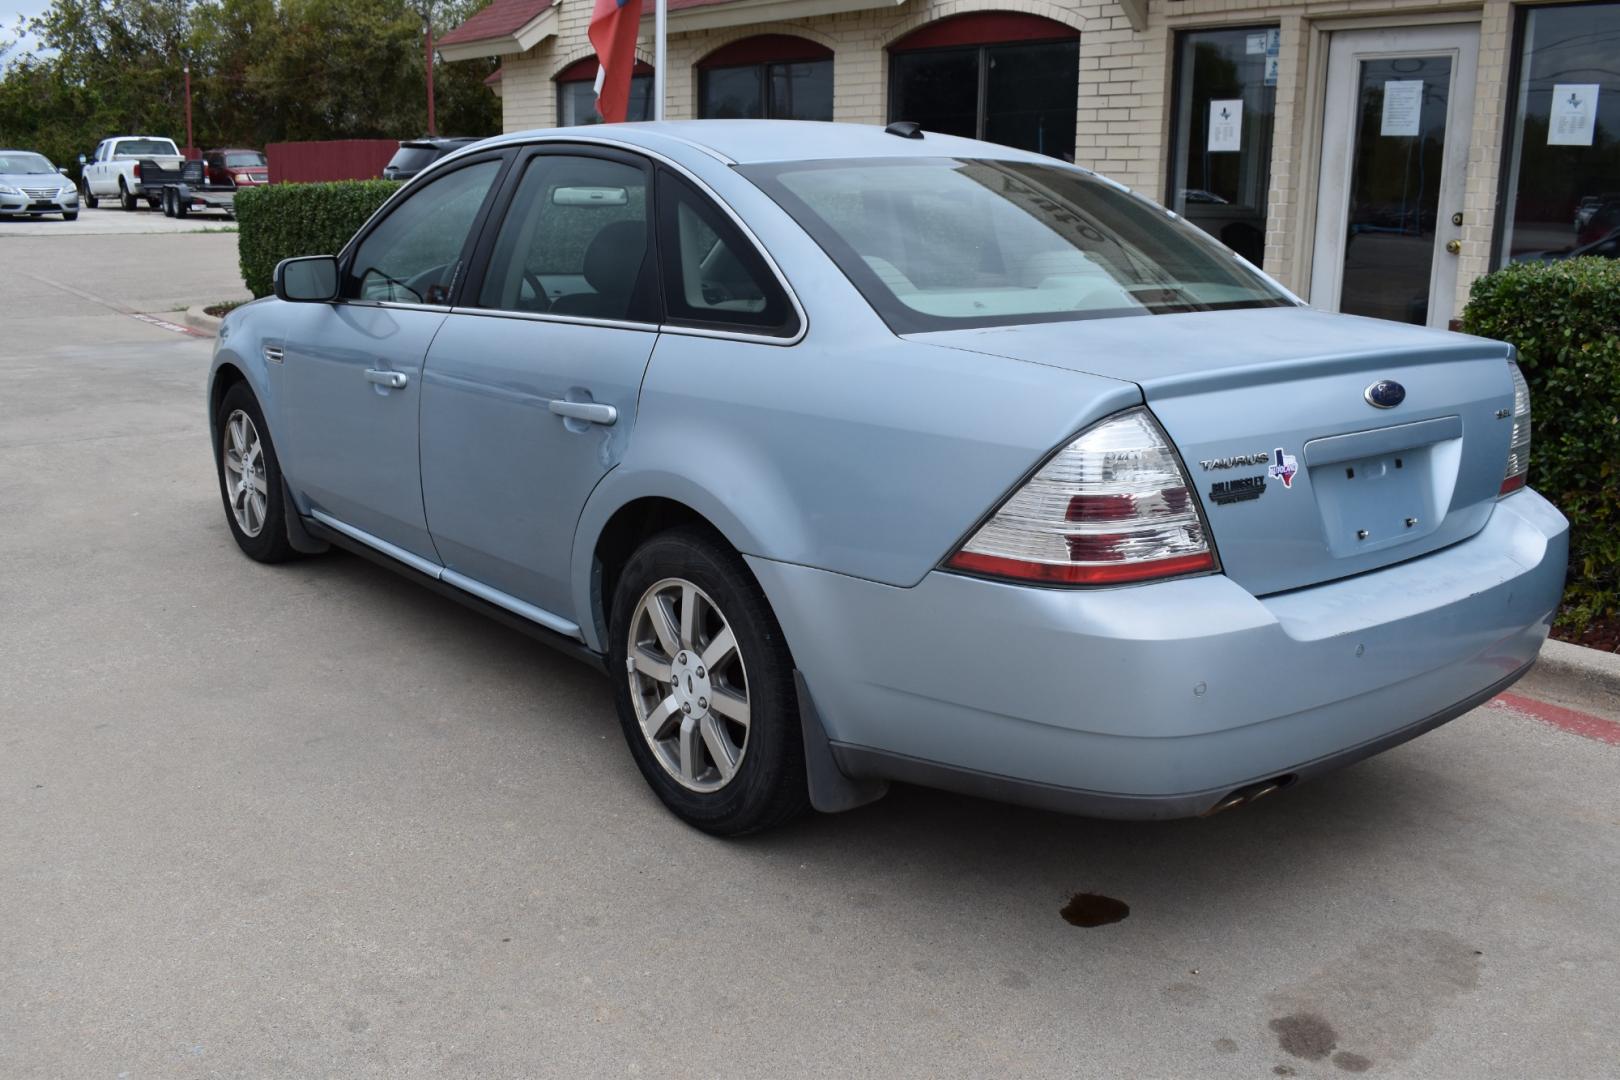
(1574, 114)
(1225, 125)
(1403, 107)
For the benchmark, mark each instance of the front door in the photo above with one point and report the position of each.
(1389, 216)
(352, 368)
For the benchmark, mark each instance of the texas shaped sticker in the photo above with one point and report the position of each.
(1283, 467)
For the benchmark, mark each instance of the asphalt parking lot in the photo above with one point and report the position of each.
(312, 820)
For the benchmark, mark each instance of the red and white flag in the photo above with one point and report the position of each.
(613, 29)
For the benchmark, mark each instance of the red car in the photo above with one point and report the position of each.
(243, 168)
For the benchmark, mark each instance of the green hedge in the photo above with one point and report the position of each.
(283, 220)
(1564, 318)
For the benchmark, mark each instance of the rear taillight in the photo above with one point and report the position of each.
(1112, 506)
(1518, 462)
(136, 171)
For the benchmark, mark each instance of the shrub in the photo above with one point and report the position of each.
(284, 220)
(1564, 318)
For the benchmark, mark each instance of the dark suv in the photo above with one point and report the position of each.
(414, 155)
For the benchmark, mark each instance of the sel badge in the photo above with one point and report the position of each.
(1283, 467)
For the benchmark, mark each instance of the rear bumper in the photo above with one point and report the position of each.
(1158, 700)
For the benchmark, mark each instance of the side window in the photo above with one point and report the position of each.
(412, 256)
(574, 242)
(713, 277)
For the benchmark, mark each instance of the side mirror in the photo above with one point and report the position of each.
(83, 159)
(312, 279)
(62, 169)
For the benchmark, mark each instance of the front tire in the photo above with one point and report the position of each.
(70, 215)
(250, 478)
(89, 200)
(704, 686)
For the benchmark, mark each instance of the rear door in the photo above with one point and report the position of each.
(530, 389)
(352, 368)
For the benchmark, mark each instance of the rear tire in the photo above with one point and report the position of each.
(709, 709)
(255, 511)
(181, 208)
(168, 204)
(125, 199)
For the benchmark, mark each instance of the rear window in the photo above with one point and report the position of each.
(944, 244)
(131, 147)
(413, 158)
(244, 161)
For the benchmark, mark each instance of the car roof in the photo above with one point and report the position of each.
(747, 142)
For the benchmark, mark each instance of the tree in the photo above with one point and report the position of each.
(262, 71)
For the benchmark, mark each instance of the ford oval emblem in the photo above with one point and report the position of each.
(1385, 394)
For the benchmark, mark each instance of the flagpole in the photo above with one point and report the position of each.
(658, 58)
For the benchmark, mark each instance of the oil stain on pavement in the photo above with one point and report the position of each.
(1092, 909)
(1384, 998)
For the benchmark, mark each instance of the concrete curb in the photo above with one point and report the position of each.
(1588, 669)
(198, 319)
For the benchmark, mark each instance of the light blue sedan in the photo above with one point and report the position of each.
(856, 455)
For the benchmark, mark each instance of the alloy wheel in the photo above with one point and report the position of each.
(689, 685)
(246, 484)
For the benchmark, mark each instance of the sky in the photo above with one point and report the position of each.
(10, 10)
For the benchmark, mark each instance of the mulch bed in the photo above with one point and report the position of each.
(1601, 634)
(218, 310)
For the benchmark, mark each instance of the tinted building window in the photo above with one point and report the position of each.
(772, 77)
(1010, 79)
(576, 94)
(1224, 103)
(1560, 185)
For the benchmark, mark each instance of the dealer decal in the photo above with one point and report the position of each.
(1235, 491)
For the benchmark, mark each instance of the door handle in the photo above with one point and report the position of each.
(394, 380)
(588, 411)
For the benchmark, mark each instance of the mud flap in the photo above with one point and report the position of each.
(831, 792)
(297, 535)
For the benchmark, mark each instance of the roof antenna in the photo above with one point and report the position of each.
(906, 129)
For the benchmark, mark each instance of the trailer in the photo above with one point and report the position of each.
(181, 191)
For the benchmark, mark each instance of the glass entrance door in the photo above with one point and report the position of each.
(1394, 157)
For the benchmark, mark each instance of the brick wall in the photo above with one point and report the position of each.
(1124, 92)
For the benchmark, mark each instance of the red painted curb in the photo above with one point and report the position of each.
(1576, 723)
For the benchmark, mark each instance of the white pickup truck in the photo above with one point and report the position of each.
(115, 169)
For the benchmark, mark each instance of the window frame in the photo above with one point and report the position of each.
(345, 257)
(490, 230)
(751, 255)
(762, 75)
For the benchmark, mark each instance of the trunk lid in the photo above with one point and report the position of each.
(1301, 478)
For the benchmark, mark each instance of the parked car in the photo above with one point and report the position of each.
(30, 186)
(918, 459)
(238, 168)
(414, 155)
(1607, 247)
(186, 189)
(114, 170)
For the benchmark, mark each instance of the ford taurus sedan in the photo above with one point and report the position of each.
(857, 455)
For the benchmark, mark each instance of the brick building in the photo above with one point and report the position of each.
(1374, 155)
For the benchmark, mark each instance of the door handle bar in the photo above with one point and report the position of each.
(589, 411)
(394, 380)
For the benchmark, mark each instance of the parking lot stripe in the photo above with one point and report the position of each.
(1576, 723)
(153, 320)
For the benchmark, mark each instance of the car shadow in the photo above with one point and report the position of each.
(917, 842)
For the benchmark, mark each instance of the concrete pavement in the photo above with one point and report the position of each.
(108, 219)
(312, 820)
